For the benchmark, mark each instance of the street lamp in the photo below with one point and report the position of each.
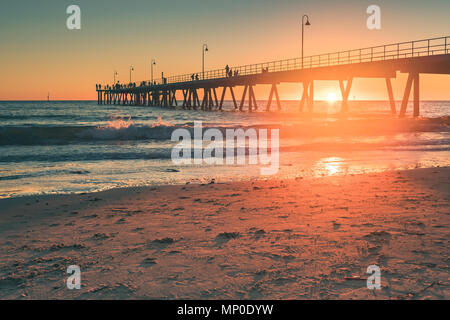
(204, 49)
(131, 69)
(303, 25)
(115, 74)
(153, 63)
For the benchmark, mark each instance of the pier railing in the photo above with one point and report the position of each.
(418, 48)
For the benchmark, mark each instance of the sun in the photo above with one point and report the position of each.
(331, 97)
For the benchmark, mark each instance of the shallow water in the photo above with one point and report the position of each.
(73, 147)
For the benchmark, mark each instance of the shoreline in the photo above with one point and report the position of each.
(295, 164)
(53, 196)
(140, 188)
(310, 238)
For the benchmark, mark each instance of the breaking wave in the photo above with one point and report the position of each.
(121, 129)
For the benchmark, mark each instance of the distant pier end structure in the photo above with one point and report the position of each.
(429, 56)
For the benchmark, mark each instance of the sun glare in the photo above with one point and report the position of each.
(331, 97)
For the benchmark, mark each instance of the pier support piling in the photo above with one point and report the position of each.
(345, 92)
(307, 95)
(273, 91)
(391, 96)
(241, 106)
(223, 98)
(416, 111)
(413, 78)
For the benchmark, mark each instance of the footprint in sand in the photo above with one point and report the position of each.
(91, 216)
(64, 247)
(257, 233)
(161, 243)
(148, 262)
(132, 213)
(336, 225)
(226, 236)
(101, 236)
(120, 221)
(378, 236)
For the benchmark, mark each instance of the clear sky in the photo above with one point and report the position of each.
(39, 54)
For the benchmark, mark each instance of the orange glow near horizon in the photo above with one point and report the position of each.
(331, 97)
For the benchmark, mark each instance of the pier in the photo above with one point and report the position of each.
(208, 92)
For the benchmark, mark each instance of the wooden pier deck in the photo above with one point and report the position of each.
(429, 56)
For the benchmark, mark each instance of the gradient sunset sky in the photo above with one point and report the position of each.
(39, 54)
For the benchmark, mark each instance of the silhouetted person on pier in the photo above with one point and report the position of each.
(230, 73)
(236, 73)
(196, 77)
(192, 77)
(227, 70)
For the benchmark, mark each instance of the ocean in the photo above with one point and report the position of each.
(79, 146)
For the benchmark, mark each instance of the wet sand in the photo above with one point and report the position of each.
(309, 238)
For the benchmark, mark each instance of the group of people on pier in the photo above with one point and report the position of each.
(126, 86)
(194, 77)
(229, 73)
(115, 86)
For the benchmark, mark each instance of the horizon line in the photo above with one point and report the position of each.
(324, 100)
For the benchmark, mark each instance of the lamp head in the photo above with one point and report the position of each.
(307, 20)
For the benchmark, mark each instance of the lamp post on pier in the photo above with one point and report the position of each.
(303, 32)
(204, 49)
(153, 63)
(131, 69)
(115, 74)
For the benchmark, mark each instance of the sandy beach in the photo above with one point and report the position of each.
(309, 238)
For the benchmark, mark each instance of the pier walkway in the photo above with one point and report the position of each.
(429, 56)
